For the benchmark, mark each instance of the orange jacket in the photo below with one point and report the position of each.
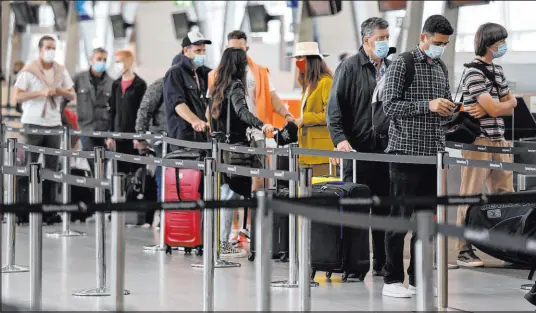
(263, 98)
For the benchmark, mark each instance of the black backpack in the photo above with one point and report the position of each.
(380, 121)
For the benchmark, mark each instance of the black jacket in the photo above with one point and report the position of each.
(180, 86)
(124, 108)
(240, 119)
(349, 110)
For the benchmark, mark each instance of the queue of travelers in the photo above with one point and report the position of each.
(237, 99)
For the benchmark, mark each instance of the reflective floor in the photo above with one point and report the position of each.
(168, 283)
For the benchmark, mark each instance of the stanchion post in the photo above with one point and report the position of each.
(292, 281)
(66, 191)
(263, 263)
(208, 241)
(100, 235)
(11, 223)
(304, 273)
(442, 244)
(36, 239)
(161, 246)
(118, 243)
(424, 261)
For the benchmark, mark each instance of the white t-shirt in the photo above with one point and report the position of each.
(31, 109)
(250, 99)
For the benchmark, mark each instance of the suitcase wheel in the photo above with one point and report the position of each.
(344, 277)
(313, 274)
(251, 257)
(198, 251)
(328, 275)
(283, 257)
(168, 249)
(187, 250)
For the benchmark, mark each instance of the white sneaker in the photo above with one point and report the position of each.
(396, 290)
(413, 290)
(227, 251)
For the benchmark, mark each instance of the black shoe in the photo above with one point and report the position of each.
(469, 259)
(378, 273)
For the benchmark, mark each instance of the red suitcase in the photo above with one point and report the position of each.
(183, 228)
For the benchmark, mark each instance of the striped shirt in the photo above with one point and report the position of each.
(476, 83)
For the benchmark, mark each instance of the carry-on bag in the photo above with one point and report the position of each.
(183, 228)
(515, 219)
(338, 249)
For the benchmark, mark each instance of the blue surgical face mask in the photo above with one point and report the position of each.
(381, 48)
(199, 60)
(435, 52)
(99, 67)
(501, 50)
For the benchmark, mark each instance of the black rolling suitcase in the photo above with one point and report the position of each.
(338, 249)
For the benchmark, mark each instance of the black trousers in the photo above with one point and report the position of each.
(406, 180)
(376, 176)
(126, 146)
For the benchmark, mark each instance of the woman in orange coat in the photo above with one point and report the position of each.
(315, 78)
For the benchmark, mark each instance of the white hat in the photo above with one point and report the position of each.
(308, 48)
(195, 38)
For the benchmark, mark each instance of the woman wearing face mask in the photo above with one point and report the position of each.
(315, 78)
(126, 95)
(487, 97)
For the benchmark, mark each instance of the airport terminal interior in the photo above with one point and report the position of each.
(163, 277)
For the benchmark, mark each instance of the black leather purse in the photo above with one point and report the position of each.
(463, 127)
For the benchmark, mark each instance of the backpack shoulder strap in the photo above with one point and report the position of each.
(410, 70)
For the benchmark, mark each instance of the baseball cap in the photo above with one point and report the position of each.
(195, 38)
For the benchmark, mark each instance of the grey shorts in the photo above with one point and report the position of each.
(258, 160)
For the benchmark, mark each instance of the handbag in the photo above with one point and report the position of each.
(462, 127)
(231, 157)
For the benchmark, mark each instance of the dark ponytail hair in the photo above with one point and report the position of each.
(233, 65)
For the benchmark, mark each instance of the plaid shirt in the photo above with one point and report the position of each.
(414, 129)
(381, 72)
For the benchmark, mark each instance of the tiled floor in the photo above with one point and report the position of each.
(168, 283)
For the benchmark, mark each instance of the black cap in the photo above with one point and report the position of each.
(195, 38)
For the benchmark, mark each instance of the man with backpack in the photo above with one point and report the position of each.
(349, 118)
(416, 113)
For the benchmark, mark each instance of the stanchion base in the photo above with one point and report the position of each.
(14, 269)
(526, 287)
(287, 284)
(61, 234)
(96, 292)
(154, 248)
(219, 264)
(449, 266)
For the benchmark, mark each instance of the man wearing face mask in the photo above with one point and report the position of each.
(416, 115)
(349, 118)
(93, 88)
(41, 87)
(185, 89)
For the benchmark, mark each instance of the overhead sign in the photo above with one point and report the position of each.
(292, 4)
(184, 4)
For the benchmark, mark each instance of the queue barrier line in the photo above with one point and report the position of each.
(255, 172)
(501, 166)
(15, 170)
(55, 152)
(251, 150)
(35, 131)
(114, 135)
(374, 157)
(82, 181)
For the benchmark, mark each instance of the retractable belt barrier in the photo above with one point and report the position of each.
(493, 149)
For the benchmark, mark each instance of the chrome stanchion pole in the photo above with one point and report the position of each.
(161, 246)
(424, 261)
(218, 263)
(263, 263)
(11, 222)
(304, 272)
(66, 192)
(292, 281)
(442, 244)
(208, 240)
(36, 240)
(118, 244)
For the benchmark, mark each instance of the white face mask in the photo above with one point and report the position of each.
(49, 56)
(119, 68)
